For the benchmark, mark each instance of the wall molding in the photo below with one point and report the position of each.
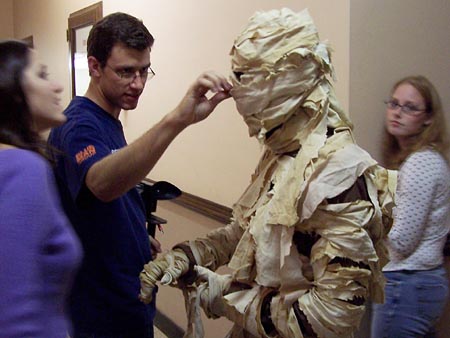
(201, 205)
(167, 325)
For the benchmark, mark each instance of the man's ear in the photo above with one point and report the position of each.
(428, 122)
(94, 67)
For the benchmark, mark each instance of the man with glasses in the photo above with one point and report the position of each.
(97, 173)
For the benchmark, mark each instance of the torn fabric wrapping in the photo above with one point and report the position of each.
(316, 202)
(167, 268)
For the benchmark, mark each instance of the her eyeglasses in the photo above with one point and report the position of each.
(408, 109)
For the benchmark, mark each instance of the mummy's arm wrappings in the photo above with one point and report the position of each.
(177, 265)
(216, 249)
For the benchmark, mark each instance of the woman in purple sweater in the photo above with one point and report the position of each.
(39, 252)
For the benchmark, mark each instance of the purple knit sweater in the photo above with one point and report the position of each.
(39, 251)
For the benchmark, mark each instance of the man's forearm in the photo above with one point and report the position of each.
(114, 175)
(117, 173)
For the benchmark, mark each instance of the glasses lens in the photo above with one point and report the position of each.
(408, 109)
(131, 75)
(128, 75)
(391, 104)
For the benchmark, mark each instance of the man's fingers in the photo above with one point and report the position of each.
(149, 276)
(219, 97)
(211, 81)
(155, 244)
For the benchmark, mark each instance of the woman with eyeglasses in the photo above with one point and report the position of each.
(39, 251)
(415, 144)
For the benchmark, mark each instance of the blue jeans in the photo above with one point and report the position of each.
(414, 302)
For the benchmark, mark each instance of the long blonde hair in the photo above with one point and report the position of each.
(433, 135)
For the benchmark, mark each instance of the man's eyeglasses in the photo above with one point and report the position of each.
(408, 109)
(131, 74)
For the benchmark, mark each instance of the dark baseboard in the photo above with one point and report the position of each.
(167, 326)
(202, 206)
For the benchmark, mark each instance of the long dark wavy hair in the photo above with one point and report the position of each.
(16, 122)
(432, 136)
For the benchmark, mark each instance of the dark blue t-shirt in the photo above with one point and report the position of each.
(115, 241)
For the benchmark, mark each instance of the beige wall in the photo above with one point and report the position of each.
(213, 159)
(381, 40)
(46, 21)
(389, 40)
(6, 19)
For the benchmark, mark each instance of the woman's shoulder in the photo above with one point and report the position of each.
(427, 155)
(427, 161)
(22, 161)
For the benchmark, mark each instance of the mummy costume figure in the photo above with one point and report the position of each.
(305, 244)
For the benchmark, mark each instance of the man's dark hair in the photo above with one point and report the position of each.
(117, 28)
